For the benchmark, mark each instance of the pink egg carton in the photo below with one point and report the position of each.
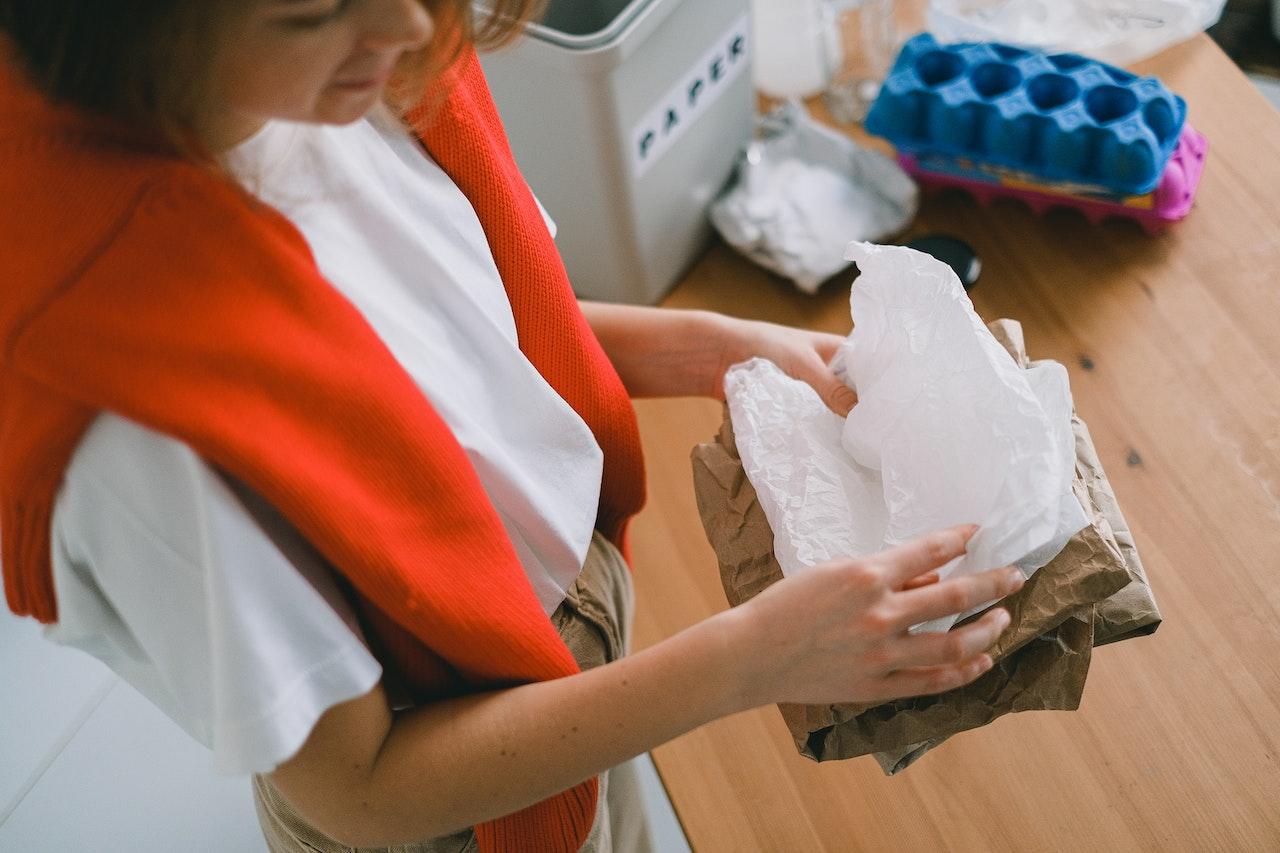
(1167, 203)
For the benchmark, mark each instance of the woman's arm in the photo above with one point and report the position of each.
(369, 777)
(668, 352)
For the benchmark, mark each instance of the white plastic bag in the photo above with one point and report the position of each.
(1116, 31)
(947, 430)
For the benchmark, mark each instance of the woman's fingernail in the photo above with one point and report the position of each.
(845, 399)
(1003, 618)
(1016, 578)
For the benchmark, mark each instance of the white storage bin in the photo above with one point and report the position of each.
(626, 118)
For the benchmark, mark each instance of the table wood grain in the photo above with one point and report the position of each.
(1173, 348)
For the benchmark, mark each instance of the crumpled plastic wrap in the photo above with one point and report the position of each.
(1115, 31)
(948, 429)
(1041, 659)
(803, 191)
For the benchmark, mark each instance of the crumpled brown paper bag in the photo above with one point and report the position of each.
(1046, 674)
(1131, 612)
(1041, 658)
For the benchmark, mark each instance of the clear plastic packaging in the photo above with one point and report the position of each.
(1118, 31)
(802, 191)
(868, 41)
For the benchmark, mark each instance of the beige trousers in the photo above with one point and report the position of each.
(595, 622)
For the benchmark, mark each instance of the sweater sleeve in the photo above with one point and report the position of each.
(214, 608)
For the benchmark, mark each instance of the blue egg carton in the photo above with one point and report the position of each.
(1059, 116)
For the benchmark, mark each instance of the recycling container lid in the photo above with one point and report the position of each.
(584, 24)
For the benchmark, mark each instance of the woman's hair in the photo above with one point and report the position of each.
(141, 61)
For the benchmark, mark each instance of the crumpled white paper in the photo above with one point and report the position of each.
(1115, 31)
(803, 191)
(947, 430)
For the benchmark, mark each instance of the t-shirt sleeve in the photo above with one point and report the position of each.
(546, 217)
(210, 605)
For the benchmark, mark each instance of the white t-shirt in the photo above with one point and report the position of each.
(234, 626)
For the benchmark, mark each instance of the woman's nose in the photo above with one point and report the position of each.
(402, 24)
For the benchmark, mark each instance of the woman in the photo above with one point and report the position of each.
(304, 434)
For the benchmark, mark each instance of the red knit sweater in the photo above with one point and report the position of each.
(145, 286)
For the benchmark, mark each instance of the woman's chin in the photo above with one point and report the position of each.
(345, 105)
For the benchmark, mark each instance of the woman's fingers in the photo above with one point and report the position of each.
(827, 345)
(926, 680)
(950, 647)
(955, 595)
(812, 370)
(923, 580)
(923, 554)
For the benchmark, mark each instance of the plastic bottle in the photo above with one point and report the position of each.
(867, 43)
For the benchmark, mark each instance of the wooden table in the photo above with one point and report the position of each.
(1173, 347)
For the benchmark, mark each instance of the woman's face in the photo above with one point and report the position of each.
(323, 61)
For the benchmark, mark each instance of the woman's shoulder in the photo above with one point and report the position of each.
(69, 198)
(72, 208)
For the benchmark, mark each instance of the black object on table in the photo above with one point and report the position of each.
(953, 252)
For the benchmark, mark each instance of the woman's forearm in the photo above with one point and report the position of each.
(837, 632)
(660, 352)
(460, 762)
(668, 352)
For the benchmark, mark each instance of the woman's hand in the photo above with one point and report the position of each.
(838, 632)
(800, 353)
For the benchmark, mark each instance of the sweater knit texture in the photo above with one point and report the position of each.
(140, 284)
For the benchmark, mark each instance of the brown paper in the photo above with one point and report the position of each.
(1039, 674)
(1046, 674)
(1132, 611)
(1041, 659)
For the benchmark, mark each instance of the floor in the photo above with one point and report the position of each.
(87, 764)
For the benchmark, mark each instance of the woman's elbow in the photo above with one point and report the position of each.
(329, 781)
